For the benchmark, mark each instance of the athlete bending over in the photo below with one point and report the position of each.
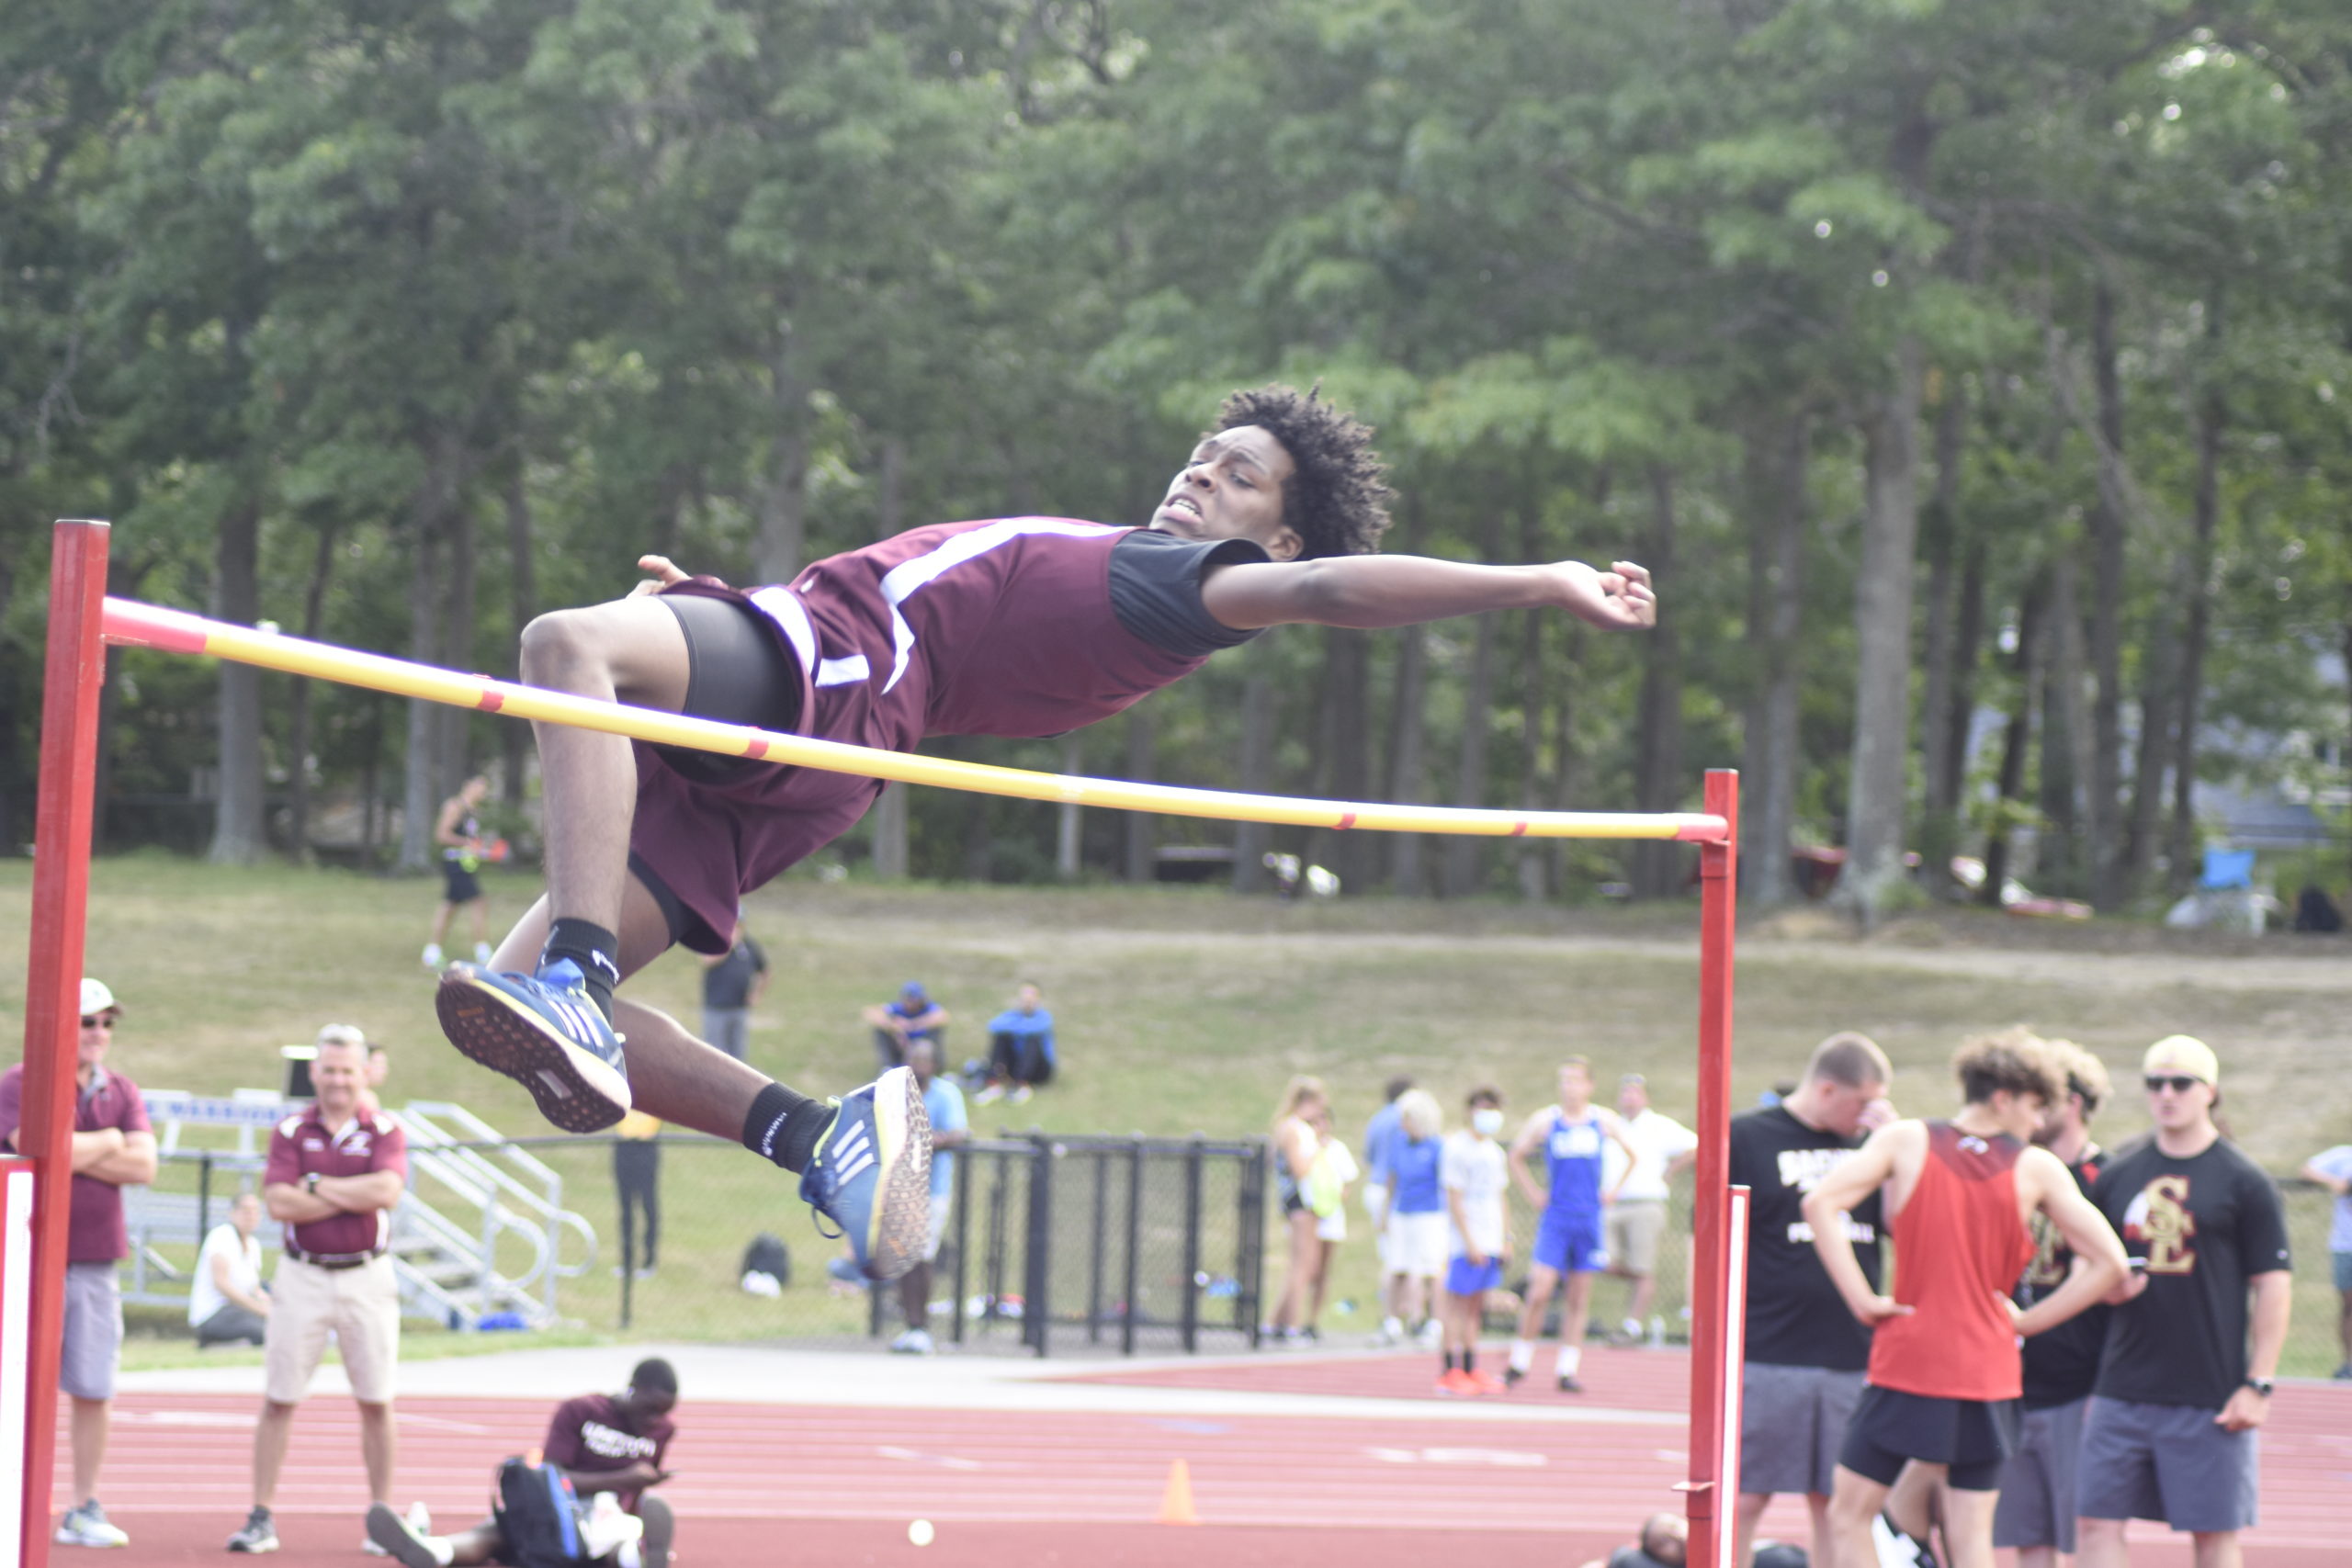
(1021, 626)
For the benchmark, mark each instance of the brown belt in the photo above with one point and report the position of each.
(333, 1259)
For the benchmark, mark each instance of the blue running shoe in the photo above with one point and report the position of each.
(871, 1174)
(545, 1032)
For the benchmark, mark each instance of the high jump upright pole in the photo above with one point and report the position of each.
(1710, 1498)
(63, 807)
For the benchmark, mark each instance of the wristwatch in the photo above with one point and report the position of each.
(310, 1185)
(2260, 1385)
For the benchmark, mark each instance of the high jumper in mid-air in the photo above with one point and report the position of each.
(1017, 628)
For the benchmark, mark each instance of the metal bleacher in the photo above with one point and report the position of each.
(480, 1232)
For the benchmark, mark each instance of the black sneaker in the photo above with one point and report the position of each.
(1569, 1383)
(260, 1533)
(1511, 1376)
(544, 1031)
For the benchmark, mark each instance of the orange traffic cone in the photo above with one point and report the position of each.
(1176, 1501)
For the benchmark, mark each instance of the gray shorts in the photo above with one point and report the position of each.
(1791, 1421)
(2168, 1463)
(730, 1029)
(2037, 1506)
(93, 1331)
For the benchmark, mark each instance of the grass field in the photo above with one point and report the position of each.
(1186, 1010)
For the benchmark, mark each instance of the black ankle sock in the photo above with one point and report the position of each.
(1449, 1360)
(1469, 1360)
(783, 1126)
(596, 951)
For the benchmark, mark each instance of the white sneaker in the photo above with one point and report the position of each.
(87, 1525)
(433, 959)
(482, 954)
(913, 1342)
(1392, 1331)
(1432, 1334)
(1021, 1095)
(391, 1535)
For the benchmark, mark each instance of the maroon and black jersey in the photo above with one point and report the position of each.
(1016, 627)
(589, 1435)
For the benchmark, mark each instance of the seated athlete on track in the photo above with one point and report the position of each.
(1021, 626)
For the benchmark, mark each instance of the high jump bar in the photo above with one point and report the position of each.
(131, 624)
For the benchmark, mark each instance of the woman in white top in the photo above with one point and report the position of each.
(226, 1303)
(1296, 1142)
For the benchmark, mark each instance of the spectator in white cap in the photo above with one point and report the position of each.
(2185, 1380)
(113, 1147)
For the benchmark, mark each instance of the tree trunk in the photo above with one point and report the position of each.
(2181, 851)
(2016, 739)
(420, 801)
(1251, 840)
(1659, 784)
(457, 646)
(1968, 645)
(1874, 873)
(2103, 783)
(1409, 735)
(1464, 855)
(2059, 864)
(889, 820)
(1939, 822)
(298, 723)
(1534, 857)
(1346, 746)
(1407, 758)
(522, 607)
(1777, 460)
(1142, 827)
(237, 829)
(1068, 817)
(784, 519)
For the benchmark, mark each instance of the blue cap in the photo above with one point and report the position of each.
(911, 989)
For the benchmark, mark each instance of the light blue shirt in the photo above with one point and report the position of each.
(1378, 1133)
(2337, 1162)
(943, 1103)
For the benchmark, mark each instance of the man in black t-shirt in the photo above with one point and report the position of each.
(1805, 1352)
(2035, 1511)
(2182, 1386)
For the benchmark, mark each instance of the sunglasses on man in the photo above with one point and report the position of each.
(102, 1021)
(2179, 1083)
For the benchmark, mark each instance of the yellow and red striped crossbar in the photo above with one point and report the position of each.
(134, 625)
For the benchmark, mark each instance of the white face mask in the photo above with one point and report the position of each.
(1488, 1122)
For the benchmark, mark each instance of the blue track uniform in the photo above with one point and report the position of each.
(1569, 1239)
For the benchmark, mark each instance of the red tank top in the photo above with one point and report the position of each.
(1959, 1248)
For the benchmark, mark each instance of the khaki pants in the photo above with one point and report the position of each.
(360, 1306)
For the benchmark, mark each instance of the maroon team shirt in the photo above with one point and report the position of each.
(586, 1435)
(1005, 627)
(300, 1145)
(94, 1233)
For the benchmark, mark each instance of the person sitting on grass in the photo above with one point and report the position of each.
(1021, 1048)
(603, 1443)
(1019, 626)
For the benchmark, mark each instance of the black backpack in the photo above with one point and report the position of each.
(538, 1514)
(767, 1255)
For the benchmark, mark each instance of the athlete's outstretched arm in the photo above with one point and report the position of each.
(1846, 1184)
(1399, 591)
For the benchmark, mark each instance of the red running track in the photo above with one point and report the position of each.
(760, 1484)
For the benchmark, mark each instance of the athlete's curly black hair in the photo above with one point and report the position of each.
(1334, 498)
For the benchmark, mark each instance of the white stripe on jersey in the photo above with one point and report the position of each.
(901, 580)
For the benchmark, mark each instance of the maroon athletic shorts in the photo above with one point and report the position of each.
(710, 828)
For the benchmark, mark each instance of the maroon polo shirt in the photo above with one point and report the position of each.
(371, 1142)
(586, 1435)
(94, 1233)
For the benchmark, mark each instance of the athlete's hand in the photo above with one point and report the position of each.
(663, 572)
(2135, 1281)
(2017, 1314)
(1874, 1309)
(2246, 1409)
(1619, 599)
